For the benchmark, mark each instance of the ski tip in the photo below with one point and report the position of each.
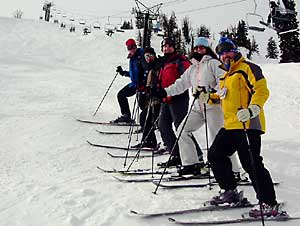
(88, 141)
(133, 212)
(171, 219)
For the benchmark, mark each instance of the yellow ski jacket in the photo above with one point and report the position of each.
(243, 84)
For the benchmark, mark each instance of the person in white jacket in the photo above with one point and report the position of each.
(204, 72)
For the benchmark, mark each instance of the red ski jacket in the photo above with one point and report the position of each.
(173, 68)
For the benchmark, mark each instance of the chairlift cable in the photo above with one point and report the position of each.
(213, 6)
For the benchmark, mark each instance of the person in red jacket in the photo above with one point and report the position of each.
(173, 109)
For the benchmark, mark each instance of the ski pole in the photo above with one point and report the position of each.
(140, 148)
(255, 180)
(173, 148)
(131, 129)
(105, 93)
(254, 173)
(207, 148)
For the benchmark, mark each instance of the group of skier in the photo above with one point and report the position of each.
(229, 93)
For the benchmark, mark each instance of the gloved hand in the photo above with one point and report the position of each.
(201, 94)
(204, 97)
(158, 92)
(198, 90)
(120, 70)
(245, 114)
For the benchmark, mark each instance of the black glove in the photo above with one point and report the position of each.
(120, 71)
(198, 90)
(158, 92)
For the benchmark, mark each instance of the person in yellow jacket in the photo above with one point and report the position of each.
(243, 93)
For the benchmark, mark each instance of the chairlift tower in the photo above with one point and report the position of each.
(148, 13)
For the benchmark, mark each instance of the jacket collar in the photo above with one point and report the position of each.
(237, 59)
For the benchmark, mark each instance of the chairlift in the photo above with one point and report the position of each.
(255, 20)
(82, 22)
(119, 27)
(96, 25)
(156, 27)
(280, 13)
(108, 27)
(254, 17)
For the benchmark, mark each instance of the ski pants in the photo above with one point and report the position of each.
(173, 112)
(195, 121)
(122, 96)
(189, 153)
(150, 115)
(225, 144)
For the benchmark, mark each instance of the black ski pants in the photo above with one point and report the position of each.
(150, 115)
(123, 95)
(173, 112)
(224, 145)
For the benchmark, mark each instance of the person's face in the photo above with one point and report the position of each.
(168, 49)
(131, 50)
(200, 49)
(149, 57)
(225, 57)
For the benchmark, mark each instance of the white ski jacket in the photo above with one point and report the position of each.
(204, 73)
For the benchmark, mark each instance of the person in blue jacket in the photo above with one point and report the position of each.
(137, 66)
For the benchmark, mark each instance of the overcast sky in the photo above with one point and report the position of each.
(213, 13)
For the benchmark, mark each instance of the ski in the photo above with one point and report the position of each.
(150, 179)
(118, 147)
(135, 171)
(115, 133)
(199, 185)
(106, 123)
(206, 207)
(133, 156)
(279, 218)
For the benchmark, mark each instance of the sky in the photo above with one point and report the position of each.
(48, 172)
(215, 14)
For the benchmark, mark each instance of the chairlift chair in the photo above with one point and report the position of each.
(252, 27)
(82, 22)
(96, 25)
(257, 17)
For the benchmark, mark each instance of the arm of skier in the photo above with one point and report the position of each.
(181, 84)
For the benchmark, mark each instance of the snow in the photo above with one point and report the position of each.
(49, 77)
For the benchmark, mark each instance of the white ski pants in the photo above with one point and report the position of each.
(195, 121)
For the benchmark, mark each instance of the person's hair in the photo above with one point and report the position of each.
(211, 53)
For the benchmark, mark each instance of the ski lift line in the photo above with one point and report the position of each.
(213, 6)
(164, 4)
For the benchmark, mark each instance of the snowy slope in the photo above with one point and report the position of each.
(48, 171)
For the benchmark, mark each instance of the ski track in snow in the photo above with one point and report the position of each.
(48, 172)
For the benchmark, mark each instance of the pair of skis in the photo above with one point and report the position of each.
(244, 203)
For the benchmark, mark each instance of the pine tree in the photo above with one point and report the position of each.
(253, 48)
(186, 29)
(172, 25)
(203, 31)
(164, 23)
(241, 35)
(289, 43)
(272, 49)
